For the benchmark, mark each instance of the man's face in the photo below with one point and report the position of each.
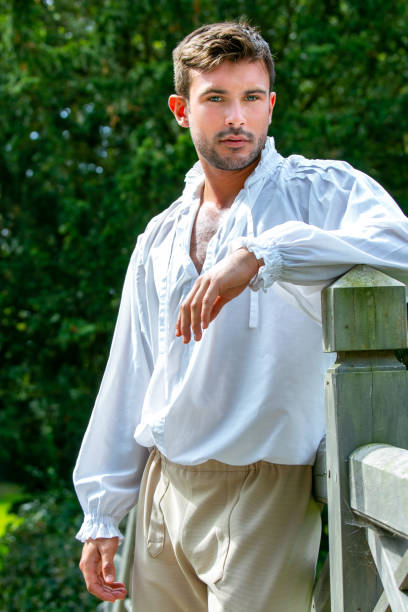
(228, 112)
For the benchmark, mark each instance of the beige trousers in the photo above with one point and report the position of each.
(216, 537)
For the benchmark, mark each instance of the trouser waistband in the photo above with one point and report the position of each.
(213, 465)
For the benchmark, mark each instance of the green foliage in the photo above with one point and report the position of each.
(402, 355)
(39, 559)
(9, 494)
(89, 152)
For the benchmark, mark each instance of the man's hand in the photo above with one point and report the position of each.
(211, 291)
(99, 570)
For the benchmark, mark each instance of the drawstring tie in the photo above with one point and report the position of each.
(253, 295)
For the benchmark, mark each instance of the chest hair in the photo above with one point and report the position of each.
(206, 224)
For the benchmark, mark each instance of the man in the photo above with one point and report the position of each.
(221, 382)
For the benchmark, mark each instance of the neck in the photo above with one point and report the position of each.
(222, 186)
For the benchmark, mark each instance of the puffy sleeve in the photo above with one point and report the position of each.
(110, 462)
(352, 220)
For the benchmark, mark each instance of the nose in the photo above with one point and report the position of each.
(235, 116)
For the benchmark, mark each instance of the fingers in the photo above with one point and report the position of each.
(210, 299)
(198, 302)
(182, 325)
(97, 568)
(190, 317)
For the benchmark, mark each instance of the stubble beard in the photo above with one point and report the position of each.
(229, 162)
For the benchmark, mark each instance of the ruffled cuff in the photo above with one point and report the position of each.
(268, 273)
(98, 527)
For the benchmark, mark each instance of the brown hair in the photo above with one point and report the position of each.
(210, 45)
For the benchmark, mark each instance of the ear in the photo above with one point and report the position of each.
(178, 106)
(272, 100)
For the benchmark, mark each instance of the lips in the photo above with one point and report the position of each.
(234, 141)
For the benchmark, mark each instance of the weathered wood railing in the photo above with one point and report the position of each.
(361, 469)
(364, 321)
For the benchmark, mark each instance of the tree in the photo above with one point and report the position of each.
(90, 152)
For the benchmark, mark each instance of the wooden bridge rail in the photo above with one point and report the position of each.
(361, 468)
(363, 471)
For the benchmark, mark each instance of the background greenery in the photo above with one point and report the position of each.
(89, 152)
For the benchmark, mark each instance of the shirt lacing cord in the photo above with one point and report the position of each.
(254, 298)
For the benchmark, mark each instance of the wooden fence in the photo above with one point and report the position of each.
(361, 469)
(363, 473)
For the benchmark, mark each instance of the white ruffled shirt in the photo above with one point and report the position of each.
(252, 388)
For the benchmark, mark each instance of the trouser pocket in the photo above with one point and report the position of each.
(156, 527)
(209, 524)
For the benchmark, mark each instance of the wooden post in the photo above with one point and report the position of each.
(126, 564)
(364, 320)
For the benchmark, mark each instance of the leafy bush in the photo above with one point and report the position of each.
(89, 152)
(39, 558)
(402, 355)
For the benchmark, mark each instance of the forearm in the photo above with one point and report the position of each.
(303, 254)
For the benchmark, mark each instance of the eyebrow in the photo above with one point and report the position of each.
(212, 90)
